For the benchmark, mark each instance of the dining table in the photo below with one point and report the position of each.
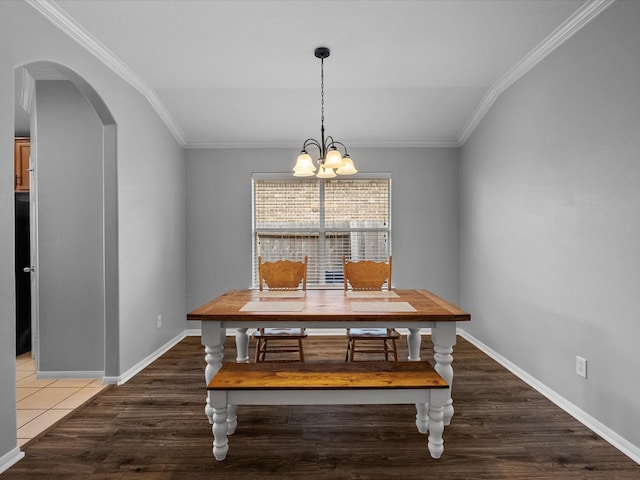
(414, 309)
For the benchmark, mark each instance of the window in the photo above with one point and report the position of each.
(323, 219)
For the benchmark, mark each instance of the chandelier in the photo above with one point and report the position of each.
(331, 161)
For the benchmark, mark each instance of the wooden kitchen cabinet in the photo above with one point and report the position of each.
(21, 163)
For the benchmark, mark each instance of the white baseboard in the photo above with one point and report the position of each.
(193, 332)
(626, 447)
(10, 459)
(65, 374)
(138, 367)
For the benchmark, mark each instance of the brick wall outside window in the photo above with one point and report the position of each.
(323, 219)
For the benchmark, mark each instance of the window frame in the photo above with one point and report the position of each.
(322, 229)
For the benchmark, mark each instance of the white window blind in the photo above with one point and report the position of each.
(322, 219)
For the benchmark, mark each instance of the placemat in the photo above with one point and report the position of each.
(281, 294)
(374, 294)
(382, 307)
(273, 307)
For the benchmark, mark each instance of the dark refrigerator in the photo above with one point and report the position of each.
(23, 279)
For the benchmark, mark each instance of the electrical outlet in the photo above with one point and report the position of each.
(581, 366)
(159, 321)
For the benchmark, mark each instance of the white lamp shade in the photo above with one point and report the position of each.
(303, 174)
(304, 166)
(347, 168)
(334, 159)
(326, 172)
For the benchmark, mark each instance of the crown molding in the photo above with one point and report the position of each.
(566, 30)
(390, 143)
(61, 19)
(58, 17)
(452, 143)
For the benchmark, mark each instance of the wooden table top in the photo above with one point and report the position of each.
(328, 306)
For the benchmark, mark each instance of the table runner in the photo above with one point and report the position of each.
(382, 307)
(281, 294)
(273, 307)
(372, 294)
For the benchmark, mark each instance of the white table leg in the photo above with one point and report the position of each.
(213, 340)
(413, 342)
(443, 335)
(436, 424)
(242, 345)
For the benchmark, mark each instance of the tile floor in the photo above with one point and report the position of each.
(42, 402)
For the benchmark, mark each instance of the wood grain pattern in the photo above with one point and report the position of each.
(319, 376)
(330, 306)
(282, 274)
(366, 274)
(154, 427)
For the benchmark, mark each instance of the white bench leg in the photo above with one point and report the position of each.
(436, 424)
(220, 428)
(414, 339)
(422, 417)
(232, 419)
(242, 356)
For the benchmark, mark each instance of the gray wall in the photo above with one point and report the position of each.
(424, 216)
(70, 268)
(550, 203)
(150, 206)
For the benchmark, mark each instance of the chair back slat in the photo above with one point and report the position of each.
(366, 274)
(282, 274)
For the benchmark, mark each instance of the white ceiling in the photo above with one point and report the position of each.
(225, 73)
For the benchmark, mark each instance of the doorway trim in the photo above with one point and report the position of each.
(46, 70)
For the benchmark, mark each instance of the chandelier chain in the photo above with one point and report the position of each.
(322, 91)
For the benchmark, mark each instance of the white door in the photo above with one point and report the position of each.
(33, 245)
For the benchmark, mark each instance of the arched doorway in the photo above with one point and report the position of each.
(74, 213)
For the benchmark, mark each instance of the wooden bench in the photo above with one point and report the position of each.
(327, 384)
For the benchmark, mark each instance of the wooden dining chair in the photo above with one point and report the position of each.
(367, 275)
(281, 276)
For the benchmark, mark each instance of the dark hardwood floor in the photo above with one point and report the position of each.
(154, 427)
